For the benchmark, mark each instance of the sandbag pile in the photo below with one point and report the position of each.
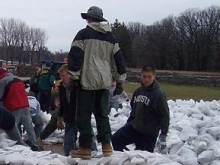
(193, 139)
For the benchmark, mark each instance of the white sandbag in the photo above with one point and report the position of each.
(203, 123)
(215, 162)
(187, 133)
(188, 156)
(214, 131)
(158, 160)
(113, 112)
(2, 159)
(92, 161)
(4, 142)
(137, 160)
(205, 109)
(15, 159)
(172, 163)
(31, 161)
(44, 162)
(57, 161)
(71, 160)
(205, 156)
(216, 148)
(118, 160)
(184, 123)
(204, 141)
(45, 117)
(173, 138)
(179, 115)
(18, 148)
(176, 147)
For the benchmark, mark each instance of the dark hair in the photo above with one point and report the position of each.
(149, 68)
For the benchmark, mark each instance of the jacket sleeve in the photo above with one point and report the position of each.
(132, 113)
(163, 113)
(52, 80)
(38, 109)
(119, 63)
(76, 55)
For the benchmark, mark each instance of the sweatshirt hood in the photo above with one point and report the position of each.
(103, 28)
(153, 86)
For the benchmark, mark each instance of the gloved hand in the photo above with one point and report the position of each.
(60, 124)
(162, 144)
(119, 89)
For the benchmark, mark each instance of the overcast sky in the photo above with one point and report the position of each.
(61, 18)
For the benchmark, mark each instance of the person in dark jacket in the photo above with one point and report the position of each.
(45, 83)
(68, 94)
(33, 81)
(149, 116)
(93, 57)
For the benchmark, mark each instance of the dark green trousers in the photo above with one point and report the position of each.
(96, 102)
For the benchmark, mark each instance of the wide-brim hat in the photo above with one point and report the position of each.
(94, 12)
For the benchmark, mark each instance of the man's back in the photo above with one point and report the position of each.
(45, 80)
(99, 52)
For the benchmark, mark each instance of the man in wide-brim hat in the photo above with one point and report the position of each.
(95, 13)
(93, 54)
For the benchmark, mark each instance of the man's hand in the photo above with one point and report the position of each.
(162, 144)
(119, 89)
(60, 124)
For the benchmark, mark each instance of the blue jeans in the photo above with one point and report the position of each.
(70, 138)
(23, 117)
(38, 125)
(128, 135)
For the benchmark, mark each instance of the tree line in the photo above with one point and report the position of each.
(20, 42)
(190, 41)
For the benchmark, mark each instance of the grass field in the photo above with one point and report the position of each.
(182, 92)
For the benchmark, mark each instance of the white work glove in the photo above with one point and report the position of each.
(161, 144)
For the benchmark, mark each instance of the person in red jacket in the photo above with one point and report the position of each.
(14, 98)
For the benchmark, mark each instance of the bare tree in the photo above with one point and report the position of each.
(19, 41)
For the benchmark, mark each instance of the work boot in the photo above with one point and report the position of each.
(107, 149)
(40, 144)
(84, 153)
(35, 148)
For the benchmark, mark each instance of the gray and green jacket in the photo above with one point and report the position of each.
(45, 80)
(94, 55)
(150, 111)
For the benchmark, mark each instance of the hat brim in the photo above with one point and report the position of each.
(87, 15)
